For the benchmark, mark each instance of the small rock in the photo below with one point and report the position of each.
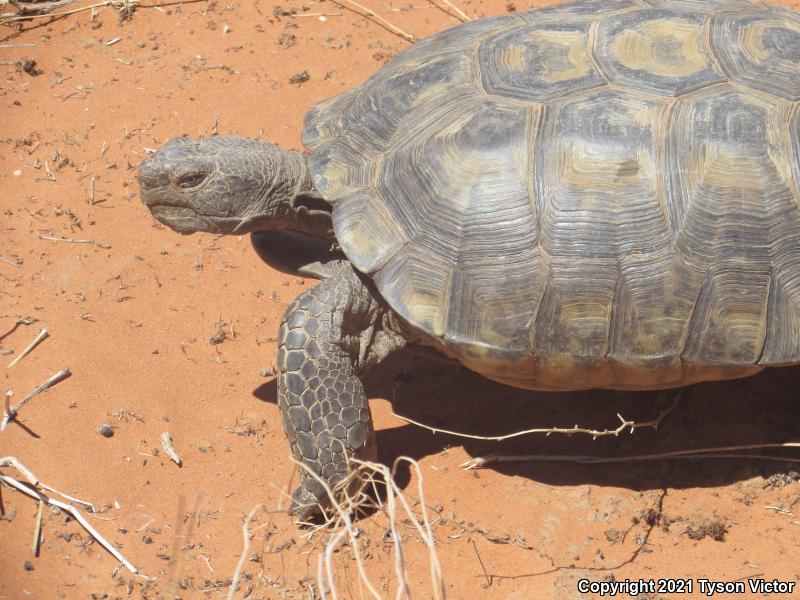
(29, 66)
(287, 39)
(106, 430)
(27, 565)
(300, 77)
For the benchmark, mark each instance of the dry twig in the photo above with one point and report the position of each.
(124, 8)
(595, 433)
(347, 498)
(693, 454)
(51, 238)
(10, 413)
(243, 557)
(30, 490)
(37, 530)
(459, 13)
(10, 461)
(169, 448)
(39, 337)
(365, 12)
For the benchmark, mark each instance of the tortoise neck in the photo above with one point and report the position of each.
(292, 202)
(308, 212)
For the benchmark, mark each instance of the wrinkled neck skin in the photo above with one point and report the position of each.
(290, 201)
(291, 228)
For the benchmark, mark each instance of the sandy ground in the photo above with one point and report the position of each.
(176, 334)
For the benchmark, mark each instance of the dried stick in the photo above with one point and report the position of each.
(88, 505)
(595, 433)
(720, 452)
(330, 548)
(461, 15)
(11, 413)
(37, 495)
(51, 238)
(343, 505)
(11, 461)
(243, 557)
(37, 530)
(20, 321)
(39, 337)
(27, 8)
(14, 263)
(169, 448)
(400, 569)
(380, 20)
(320, 579)
(437, 580)
(124, 5)
(6, 408)
(348, 527)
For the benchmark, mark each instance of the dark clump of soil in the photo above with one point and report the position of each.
(706, 526)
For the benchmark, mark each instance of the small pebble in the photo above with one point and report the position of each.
(106, 430)
(27, 565)
(300, 77)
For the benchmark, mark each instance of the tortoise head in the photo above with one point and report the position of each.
(222, 184)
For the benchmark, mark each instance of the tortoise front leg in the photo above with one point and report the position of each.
(329, 337)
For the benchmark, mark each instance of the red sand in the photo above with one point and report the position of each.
(131, 315)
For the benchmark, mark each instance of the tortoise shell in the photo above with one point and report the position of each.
(598, 194)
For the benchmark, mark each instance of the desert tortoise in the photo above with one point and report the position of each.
(596, 194)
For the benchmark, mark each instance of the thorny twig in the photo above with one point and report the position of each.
(595, 433)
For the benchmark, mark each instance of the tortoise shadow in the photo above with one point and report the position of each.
(758, 409)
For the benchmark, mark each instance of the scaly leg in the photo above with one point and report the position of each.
(330, 336)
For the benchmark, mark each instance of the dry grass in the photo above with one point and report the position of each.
(339, 541)
(27, 11)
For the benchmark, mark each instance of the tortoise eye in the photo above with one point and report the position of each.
(190, 181)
